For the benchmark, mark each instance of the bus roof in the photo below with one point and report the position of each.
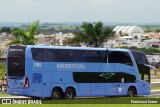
(78, 48)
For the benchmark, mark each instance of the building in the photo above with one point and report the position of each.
(129, 30)
(4, 39)
(54, 39)
(154, 42)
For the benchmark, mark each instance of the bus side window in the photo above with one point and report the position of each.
(127, 59)
(102, 56)
(37, 55)
(56, 56)
(95, 56)
(47, 55)
(112, 57)
(79, 56)
(119, 57)
(140, 58)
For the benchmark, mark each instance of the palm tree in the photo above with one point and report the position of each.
(94, 34)
(21, 36)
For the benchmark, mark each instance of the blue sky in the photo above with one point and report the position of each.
(131, 11)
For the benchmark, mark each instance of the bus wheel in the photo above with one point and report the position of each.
(56, 94)
(131, 92)
(69, 93)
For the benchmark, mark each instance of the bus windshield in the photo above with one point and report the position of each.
(141, 60)
(16, 61)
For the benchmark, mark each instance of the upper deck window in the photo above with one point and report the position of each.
(140, 57)
(68, 55)
(120, 57)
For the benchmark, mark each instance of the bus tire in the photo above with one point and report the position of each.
(69, 93)
(56, 94)
(131, 92)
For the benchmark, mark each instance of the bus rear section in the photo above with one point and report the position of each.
(18, 83)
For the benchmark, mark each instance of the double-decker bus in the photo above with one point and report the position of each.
(68, 72)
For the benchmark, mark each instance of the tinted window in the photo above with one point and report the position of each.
(68, 55)
(108, 77)
(16, 61)
(95, 56)
(37, 54)
(119, 57)
(140, 57)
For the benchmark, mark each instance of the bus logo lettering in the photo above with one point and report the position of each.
(70, 66)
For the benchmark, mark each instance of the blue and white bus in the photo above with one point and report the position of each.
(68, 72)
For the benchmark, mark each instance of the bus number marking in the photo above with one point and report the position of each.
(37, 65)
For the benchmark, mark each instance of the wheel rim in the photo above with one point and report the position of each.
(56, 95)
(69, 94)
(131, 93)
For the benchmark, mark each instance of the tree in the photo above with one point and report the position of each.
(71, 42)
(120, 33)
(21, 36)
(77, 28)
(93, 34)
(15, 29)
(158, 30)
(136, 38)
(60, 28)
(1, 53)
(6, 29)
(145, 50)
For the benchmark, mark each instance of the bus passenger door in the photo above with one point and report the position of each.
(46, 84)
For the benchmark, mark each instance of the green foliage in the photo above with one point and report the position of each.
(15, 29)
(6, 29)
(4, 95)
(72, 42)
(2, 70)
(145, 50)
(93, 34)
(1, 53)
(136, 37)
(158, 30)
(106, 101)
(20, 36)
(120, 32)
(151, 28)
(81, 105)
